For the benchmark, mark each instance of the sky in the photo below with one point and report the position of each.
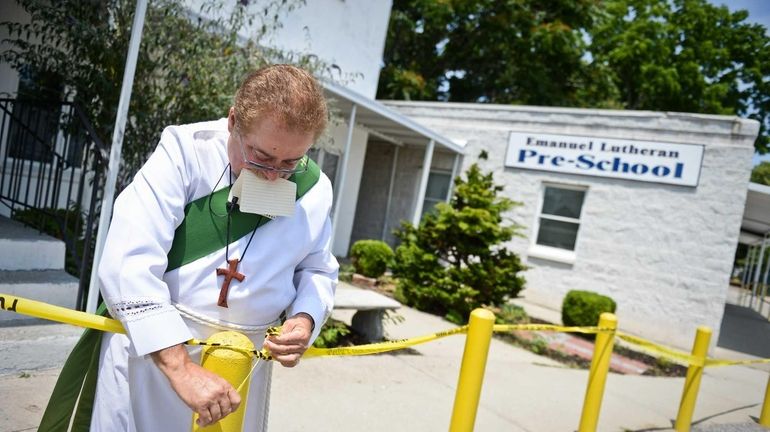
(759, 12)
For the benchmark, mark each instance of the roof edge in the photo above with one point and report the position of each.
(737, 125)
(391, 114)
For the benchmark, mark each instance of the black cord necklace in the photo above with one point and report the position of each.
(231, 272)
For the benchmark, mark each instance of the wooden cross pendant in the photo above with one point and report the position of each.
(230, 274)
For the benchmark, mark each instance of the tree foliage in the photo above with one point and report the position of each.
(509, 51)
(666, 55)
(188, 66)
(761, 174)
(456, 259)
(688, 56)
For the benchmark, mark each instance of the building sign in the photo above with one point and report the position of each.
(647, 161)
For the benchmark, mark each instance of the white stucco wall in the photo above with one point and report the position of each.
(663, 252)
(348, 33)
(9, 78)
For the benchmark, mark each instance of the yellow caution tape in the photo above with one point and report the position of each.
(59, 314)
(720, 362)
(660, 350)
(681, 356)
(262, 354)
(381, 347)
(50, 312)
(548, 327)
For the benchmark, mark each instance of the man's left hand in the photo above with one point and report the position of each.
(288, 347)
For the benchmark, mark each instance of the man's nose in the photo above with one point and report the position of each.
(270, 175)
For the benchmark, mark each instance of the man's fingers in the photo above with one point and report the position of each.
(295, 336)
(216, 412)
(284, 349)
(204, 417)
(225, 408)
(288, 360)
(235, 399)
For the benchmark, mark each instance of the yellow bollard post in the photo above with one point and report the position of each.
(480, 329)
(692, 381)
(235, 367)
(597, 376)
(764, 417)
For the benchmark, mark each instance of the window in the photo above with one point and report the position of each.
(437, 190)
(558, 223)
(32, 132)
(328, 162)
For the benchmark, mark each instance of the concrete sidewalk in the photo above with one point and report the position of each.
(415, 392)
(522, 391)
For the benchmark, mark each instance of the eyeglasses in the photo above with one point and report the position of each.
(298, 169)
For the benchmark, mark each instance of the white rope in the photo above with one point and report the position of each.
(218, 324)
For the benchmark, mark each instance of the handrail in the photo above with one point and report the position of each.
(104, 150)
(52, 171)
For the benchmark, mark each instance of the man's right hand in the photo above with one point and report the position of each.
(205, 392)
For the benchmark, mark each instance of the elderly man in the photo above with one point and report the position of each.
(166, 279)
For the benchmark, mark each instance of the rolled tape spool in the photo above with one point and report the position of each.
(232, 365)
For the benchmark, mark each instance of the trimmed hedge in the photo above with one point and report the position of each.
(371, 257)
(582, 308)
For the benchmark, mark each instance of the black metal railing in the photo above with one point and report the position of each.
(52, 176)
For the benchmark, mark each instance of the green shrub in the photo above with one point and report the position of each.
(331, 334)
(456, 259)
(582, 308)
(511, 314)
(346, 273)
(371, 257)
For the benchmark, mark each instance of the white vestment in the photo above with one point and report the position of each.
(288, 267)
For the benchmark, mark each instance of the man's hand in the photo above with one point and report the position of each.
(205, 392)
(288, 347)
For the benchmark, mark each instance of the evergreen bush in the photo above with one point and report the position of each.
(456, 259)
(371, 257)
(582, 308)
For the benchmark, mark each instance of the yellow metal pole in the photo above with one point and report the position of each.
(235, 367)
(474, 362)
(692, 382)
(764, 417)
(597, 376)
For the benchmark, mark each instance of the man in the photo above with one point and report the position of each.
(148, 380)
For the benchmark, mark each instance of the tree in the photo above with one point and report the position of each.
(664, 55)
(761, 174)
(688, 56)
(511, 51)
(456, 259)
(188, 66)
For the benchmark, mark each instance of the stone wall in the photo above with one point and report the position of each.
(663, 252)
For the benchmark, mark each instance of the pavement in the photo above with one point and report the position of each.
(414, 390)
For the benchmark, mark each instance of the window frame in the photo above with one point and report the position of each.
(434, 201)
(552, 253)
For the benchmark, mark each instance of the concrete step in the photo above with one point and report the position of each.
(50, 286)
(24, 248)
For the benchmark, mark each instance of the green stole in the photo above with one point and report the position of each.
(200, 233)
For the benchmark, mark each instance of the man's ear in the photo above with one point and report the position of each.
(231, 120)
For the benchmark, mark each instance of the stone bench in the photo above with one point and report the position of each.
(370, 309)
